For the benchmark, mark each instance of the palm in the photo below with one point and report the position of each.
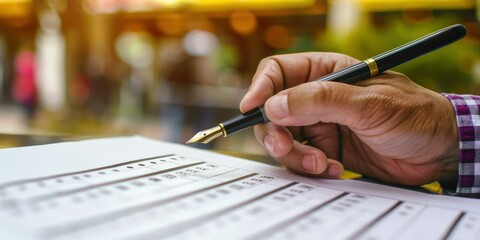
(389, 161)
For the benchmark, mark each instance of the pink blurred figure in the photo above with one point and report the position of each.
(24, 85)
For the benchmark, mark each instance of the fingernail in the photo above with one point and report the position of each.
(269, 142)
(335, 171)
(278, 106)
(308, 163)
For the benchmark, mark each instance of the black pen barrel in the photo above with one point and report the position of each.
(363, 70)
(350, 75)
(399, 55)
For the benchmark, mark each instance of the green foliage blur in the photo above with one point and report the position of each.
(445, 70)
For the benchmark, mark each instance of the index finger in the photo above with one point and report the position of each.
(280, 72)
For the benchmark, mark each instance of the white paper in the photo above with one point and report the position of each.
(137, 188)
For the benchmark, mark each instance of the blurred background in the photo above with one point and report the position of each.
(166, 69)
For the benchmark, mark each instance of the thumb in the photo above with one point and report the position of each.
(313, 102)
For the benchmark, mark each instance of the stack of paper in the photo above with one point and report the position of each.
(136, 188)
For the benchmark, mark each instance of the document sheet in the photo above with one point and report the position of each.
(138, 188)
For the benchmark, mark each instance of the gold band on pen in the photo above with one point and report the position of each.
(224, 132)
(373, 66)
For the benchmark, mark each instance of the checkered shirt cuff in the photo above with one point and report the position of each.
(467, 111)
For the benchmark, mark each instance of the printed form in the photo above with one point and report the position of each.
(137, 188)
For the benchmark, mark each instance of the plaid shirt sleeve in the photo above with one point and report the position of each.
(467, 111)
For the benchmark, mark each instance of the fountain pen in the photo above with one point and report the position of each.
(350, 75)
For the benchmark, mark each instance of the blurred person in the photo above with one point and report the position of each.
(175, 90)
(386, 127)
(24, 88)
(99, 84)
(80, 90)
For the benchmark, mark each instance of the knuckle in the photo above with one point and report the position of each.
(323, 93)
(270, 60)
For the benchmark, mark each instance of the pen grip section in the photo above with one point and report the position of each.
(245, 120)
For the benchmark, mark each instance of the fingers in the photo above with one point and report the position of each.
(276, 139)
(298, 157)
(277, 73)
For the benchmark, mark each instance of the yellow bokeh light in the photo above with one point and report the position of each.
(169, 3)
(251, 4)
(382, 5)
(243, 22)
(14, 1)
(172, 24)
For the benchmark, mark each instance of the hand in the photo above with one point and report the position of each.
(386, 127)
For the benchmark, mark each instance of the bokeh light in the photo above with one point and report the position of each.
(243, 22)
(278, 36)
(172, 24)
(135, 49)
(199, 43)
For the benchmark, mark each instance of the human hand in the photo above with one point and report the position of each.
(386, 127)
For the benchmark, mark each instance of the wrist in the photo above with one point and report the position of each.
(448, 162)
(448, 174)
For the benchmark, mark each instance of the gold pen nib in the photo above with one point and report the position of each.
(207, 136)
